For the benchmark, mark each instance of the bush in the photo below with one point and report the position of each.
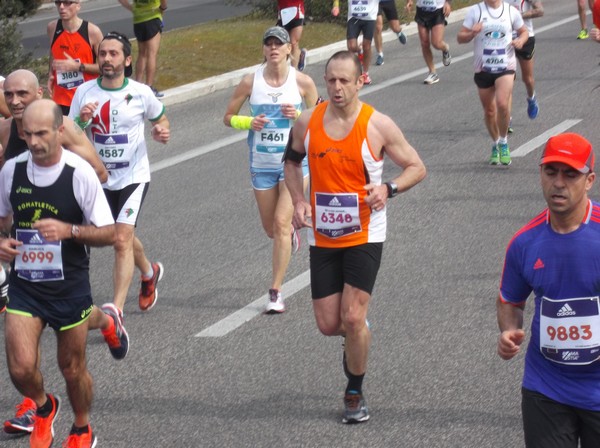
(12, 53)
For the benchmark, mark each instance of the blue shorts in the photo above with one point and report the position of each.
(59, 314)
(267, 179)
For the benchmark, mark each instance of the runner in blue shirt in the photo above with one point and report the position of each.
(557, 257)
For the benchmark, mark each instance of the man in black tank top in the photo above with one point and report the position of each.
(52, 287)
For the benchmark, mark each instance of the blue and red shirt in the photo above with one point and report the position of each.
(563, 272)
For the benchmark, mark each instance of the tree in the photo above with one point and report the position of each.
(12, 53)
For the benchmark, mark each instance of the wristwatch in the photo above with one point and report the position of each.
(75, 231)
(82, 67)
(392, 189)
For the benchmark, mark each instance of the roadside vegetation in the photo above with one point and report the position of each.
(201, 51)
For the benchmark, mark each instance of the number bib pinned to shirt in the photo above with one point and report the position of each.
(71, 79)
(359, 8)
(38, 260)
(337, 214)
(570, 330)
(273, 137)
(111, 149)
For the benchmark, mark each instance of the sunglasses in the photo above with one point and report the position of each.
(64, 2)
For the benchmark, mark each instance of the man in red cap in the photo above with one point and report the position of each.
(556, 256)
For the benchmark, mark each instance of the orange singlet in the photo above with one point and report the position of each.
(76, 45)
(339, 170)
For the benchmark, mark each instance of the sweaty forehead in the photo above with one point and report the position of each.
(111, 45)
(14, 84)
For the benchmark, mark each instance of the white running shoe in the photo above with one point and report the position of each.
(432, 78)
(295, 240)
(275, 304)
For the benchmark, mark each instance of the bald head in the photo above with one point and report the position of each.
(24, 77)
(46, 111)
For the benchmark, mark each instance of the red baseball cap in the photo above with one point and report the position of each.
(571, 149)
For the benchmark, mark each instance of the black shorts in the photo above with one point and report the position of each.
(147, 30)
(294, 23)
(117, 199)
(65, 109)
(388, 8)
(485, 80)
(59, 314)
(528, 49)
(331, 268)
(355, 26)
(429, 19)
(549, 424)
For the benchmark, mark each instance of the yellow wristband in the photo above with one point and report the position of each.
(298, 112)
(336, 3)
(241, 122)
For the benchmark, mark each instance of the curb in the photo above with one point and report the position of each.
(210, 85)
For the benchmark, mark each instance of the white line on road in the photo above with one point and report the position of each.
(538, 141)
(252, 310)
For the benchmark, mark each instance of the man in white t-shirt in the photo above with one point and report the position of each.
(113, 109)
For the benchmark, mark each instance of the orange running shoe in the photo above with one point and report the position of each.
(148, 292)
(23, 420)
(86, 440)
(43, 427)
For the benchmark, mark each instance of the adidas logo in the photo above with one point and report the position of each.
(566, 310)
(109, 141)
(35, 239)
(539, 264)
(570, 356)
(335, 202)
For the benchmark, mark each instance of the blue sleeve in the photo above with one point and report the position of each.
(514, 287)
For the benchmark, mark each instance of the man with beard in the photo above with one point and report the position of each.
(112, 109)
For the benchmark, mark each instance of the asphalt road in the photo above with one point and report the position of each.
(434, 378)
(109, 15)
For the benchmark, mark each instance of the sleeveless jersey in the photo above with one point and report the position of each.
(493, 52)
(267, 145)
(563, 272)
(363, 9)
(430, 5)
(16, 145)
(524, 6)
(339, 169)
(290, 10)
(77, 45)
(52, 270)
(117, 130)
(145, 10)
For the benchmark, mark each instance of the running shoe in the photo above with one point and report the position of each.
(355, 408)
(275, 305)
(23, 419)
(432, 78)
(495, 157)
(510, 128)
(42, 435)
(295, 240)
(157, 94)
(504, 154)
(446, 58)
(302, 60)
(532, 108)
(86, 440)
(402, 38)
(115, 336)
(4, 295)
(361, 56)
(583, 34)
(148, 291)
(379, 60)
(367, 79)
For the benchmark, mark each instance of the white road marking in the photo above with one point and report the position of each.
(253, 309)
(538, 141)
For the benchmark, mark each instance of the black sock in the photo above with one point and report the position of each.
(46, 408)
(78, 431)
(354, 383)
